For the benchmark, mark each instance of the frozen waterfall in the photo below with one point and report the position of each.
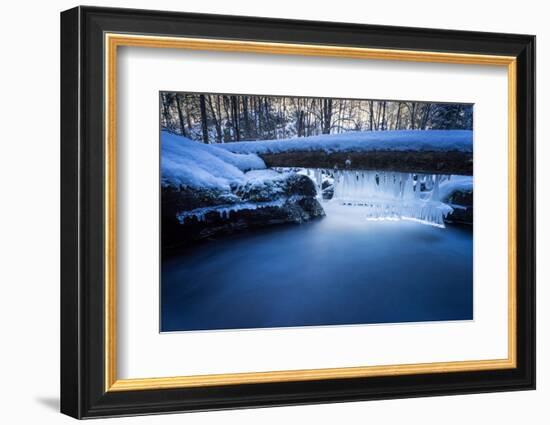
(393, 195)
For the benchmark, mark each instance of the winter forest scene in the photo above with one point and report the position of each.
(307, 211)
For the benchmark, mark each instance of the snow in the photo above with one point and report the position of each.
(256, 177)
(194, 164)
(199, 166)
(462, 183)
(392, 195)
(363, 141)
(383, 195)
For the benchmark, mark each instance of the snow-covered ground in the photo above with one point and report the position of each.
(194, 164)
(360, 141)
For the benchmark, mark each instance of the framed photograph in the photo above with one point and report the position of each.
(261, 212)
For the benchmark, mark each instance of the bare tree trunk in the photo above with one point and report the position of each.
(220, 116)
(427, 110)
(384, 115)
(180, 115)
(259, 114)
(398, 119)
(246, 116)
(340, 109)
(308, 107)
(413, 115)
(371, 114)
(326, 113)
(216, 119)
(228, 125)
(188, 112)
(377, 121)
(284, 114)
(236, 117)
(204, 122)
(267, 114)
(165, 111)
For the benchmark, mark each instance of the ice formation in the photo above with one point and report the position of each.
(318, 176)
(393, 195)
(224, 211)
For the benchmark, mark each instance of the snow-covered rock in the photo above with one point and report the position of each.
(266, 185)
(185, 162)
(458, 192)
(456, 184)
(208, 191)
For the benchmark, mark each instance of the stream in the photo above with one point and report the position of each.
(339, 270)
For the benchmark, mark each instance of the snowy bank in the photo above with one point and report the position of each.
(193, 164)
(208, 191)
(363, 141)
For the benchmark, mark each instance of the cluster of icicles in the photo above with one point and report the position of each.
(225, 211)
(388, 195)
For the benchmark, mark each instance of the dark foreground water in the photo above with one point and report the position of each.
(339, 270)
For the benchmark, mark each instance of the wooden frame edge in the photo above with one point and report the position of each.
(114, 40)
(137, 384)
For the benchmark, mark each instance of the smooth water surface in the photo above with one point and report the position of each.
(339, 270)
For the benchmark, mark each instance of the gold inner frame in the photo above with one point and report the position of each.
(113, 41)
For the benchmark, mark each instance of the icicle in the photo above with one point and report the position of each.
(225, 211)
(392, 195)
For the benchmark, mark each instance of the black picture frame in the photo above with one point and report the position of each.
(83, 392)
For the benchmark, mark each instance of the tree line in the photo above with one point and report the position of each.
(218, 118)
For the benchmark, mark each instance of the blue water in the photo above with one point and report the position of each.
(335, 271)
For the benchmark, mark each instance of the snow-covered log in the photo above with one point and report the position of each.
(426, 151)
(452, 162)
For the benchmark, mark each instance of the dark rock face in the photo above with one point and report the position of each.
(328, 192)
(187, 199)
(444, 162)
(463, 207)
(325, 184)
(190, 215)
(309, 208)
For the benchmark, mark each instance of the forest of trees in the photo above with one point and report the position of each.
(213, 118)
